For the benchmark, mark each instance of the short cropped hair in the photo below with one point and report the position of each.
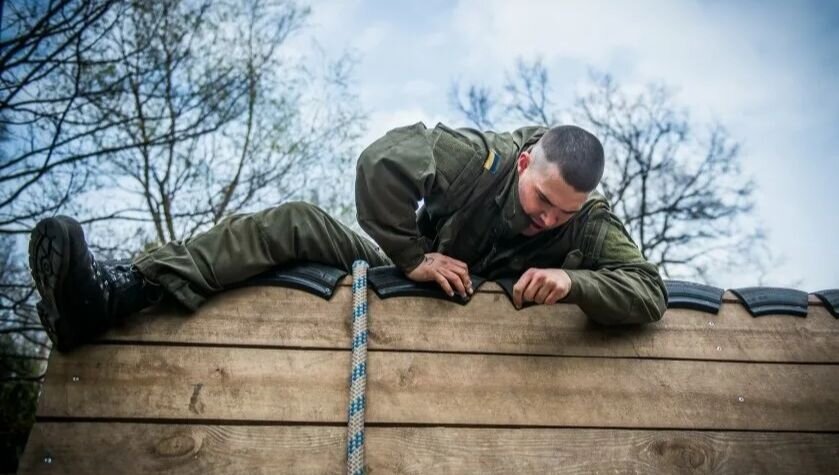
(577, 153)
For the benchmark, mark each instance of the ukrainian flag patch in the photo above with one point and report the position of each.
(493, 161)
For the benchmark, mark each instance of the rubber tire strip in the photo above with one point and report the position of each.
(693, 296)
(760, 301)
(318, 279)
(390, 281)
(830, 298)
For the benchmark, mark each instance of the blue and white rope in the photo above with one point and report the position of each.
(358, 376)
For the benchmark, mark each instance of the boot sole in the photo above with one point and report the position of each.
(49, 260)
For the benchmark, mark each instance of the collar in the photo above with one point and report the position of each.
(513, 217)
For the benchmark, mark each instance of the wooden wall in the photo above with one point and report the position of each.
(257, 382)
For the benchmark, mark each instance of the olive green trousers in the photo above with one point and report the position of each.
(244, 245)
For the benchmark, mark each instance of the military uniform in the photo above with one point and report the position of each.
(471, 212)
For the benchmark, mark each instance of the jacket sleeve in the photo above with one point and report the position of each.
(618, 285)
(398, 170)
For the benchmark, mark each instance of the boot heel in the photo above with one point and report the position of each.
(48, 261)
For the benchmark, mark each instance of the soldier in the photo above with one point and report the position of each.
(495, 204)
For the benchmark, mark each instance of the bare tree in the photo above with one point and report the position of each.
(23, 350)
(23, 354)
(477, 106)
(42, 60)
(677, 186)
(43, 161)
(680, 191)
(221, 118)
(192, 106)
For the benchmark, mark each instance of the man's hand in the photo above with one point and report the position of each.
(451, 274)
(544, 286)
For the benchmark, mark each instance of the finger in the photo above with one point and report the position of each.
(518, 289)
(535, 283)
(456, 282)
(465, 278)
(444, 284)
(553, 297)
(543, 292)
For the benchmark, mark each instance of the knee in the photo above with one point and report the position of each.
(297, 217)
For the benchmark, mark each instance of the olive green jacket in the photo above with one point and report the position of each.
(471, 212)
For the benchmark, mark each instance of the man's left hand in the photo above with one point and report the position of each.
(543, 286)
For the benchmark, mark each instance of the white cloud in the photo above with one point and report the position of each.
(688, 44)
(382, 121)
(371, 38)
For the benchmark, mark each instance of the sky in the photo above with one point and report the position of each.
(766, 70)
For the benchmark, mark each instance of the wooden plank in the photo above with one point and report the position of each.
(258, 316)
(272, 316)
(489, 325)
(206, 383)
(107, 448)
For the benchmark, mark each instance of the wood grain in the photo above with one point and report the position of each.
(207, 383)
(272, 316)
(107, 448)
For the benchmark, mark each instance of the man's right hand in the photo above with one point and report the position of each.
(451, 274)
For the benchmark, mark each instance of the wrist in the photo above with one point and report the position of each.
(574, 288)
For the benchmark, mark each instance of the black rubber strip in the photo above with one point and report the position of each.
(390, 281)
(318, 279)
(693, 296)
(760, 301)
(830, 299)
(507, 284)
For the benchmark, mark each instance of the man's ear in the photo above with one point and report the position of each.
(523, 161)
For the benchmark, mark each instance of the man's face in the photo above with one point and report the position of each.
(544, 195)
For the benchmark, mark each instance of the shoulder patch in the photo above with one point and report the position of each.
(492, 162)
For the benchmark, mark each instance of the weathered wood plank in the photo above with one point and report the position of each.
(107, 448)
(492, 326)
(271, 316)
(207, 383)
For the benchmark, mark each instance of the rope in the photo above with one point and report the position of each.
(358, 377)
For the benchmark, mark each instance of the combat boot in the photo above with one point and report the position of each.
(81, 297)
